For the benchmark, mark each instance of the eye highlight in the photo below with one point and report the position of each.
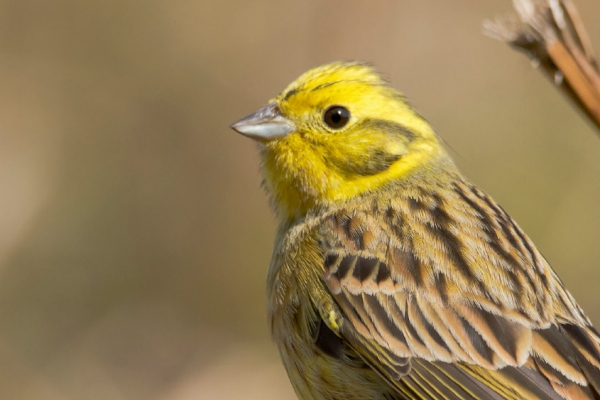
(336, 117)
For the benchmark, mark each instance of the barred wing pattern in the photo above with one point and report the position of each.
(444, 295)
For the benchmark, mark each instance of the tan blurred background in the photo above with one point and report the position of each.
(134, 236)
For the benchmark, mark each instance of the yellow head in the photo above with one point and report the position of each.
(335, 133)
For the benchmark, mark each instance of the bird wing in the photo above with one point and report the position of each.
(446, 298)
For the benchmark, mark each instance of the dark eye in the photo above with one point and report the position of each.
(336, 117)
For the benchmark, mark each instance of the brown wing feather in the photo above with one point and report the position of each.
(444, 295)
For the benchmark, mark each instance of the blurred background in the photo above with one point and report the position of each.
(134, 236)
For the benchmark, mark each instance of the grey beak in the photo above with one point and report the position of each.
(264, 125)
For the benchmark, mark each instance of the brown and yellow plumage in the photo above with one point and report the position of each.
(392, 276)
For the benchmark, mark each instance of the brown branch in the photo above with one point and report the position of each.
(552, 34)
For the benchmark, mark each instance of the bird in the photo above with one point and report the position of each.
(393, 276)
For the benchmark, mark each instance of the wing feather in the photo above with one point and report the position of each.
(456, 309)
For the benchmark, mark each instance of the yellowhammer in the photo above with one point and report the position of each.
(392, 276)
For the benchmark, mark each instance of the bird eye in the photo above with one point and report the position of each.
(336, 117)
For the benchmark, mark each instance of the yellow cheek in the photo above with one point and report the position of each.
(396, 148)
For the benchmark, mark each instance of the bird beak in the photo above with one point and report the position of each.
(264, 125)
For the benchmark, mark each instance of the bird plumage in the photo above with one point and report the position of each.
(392, 276)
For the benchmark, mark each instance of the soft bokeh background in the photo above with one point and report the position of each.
(134, 236)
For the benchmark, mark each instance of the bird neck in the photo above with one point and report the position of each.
(299, 184)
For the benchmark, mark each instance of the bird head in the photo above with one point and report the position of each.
(335, 133)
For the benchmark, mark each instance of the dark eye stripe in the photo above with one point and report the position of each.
(389, 127)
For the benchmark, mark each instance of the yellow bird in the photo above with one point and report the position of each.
(392, 276)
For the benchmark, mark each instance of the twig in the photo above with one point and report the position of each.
(553, 36)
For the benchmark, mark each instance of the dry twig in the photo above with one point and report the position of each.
(552, 34)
